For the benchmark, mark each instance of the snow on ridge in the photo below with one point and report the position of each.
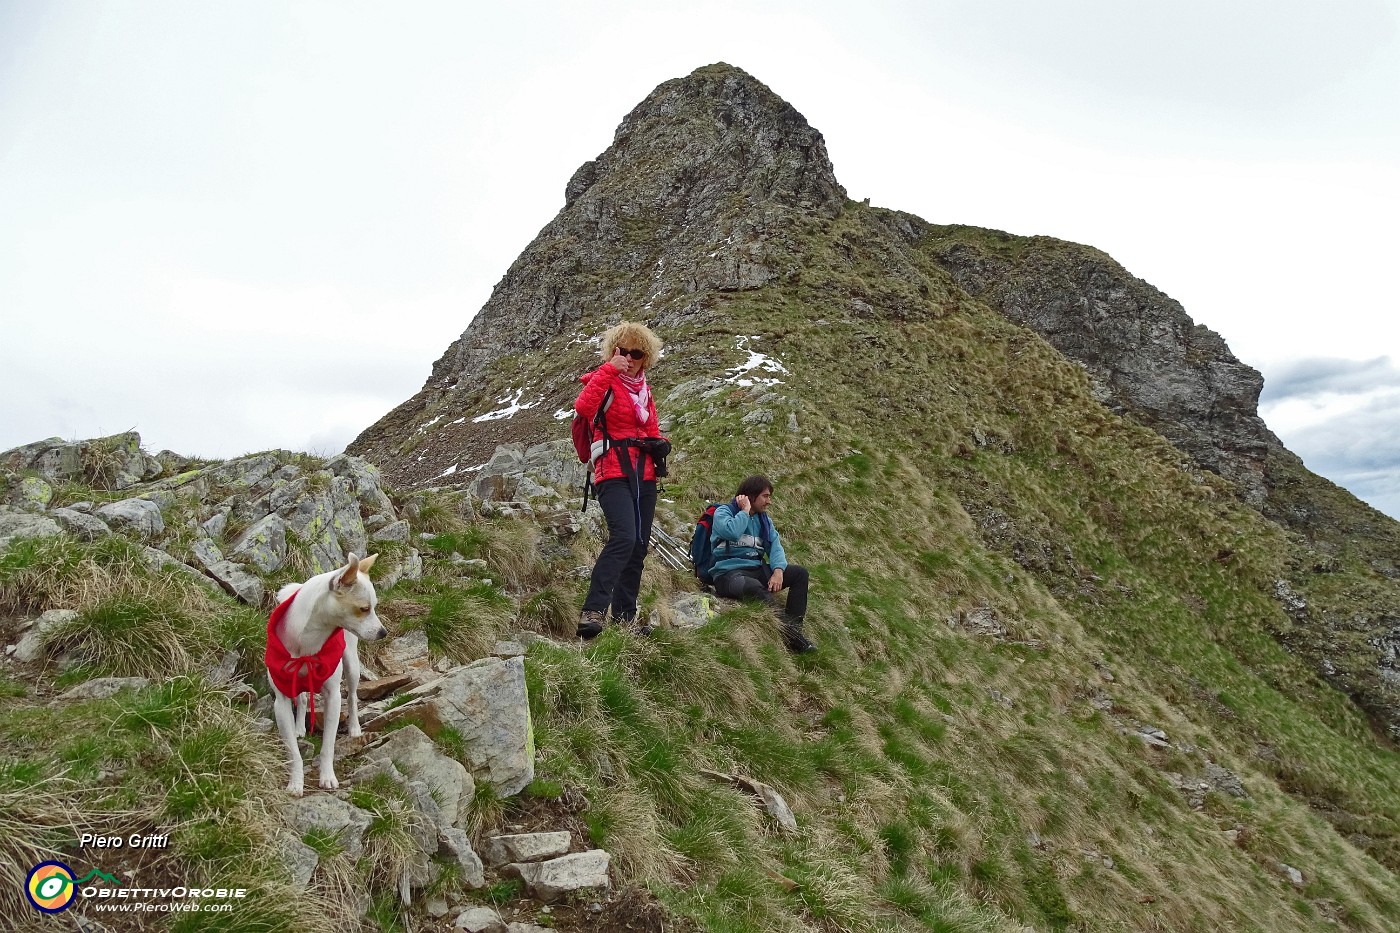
(512, 405)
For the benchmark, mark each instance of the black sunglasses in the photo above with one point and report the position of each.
(635, 354)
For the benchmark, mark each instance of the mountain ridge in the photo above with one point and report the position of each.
(1002, 383)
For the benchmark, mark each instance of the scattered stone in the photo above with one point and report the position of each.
(454, 843)
(16, 526)
(366, 483)
(418, 757)
(1294, 875)
(405, 651)
(1151, 736)
(100, 688)
(163, 498)
(486, 703)
(436, 907)
(225, 670)
(139, 516)
(206, 553)
(551, 880)
(772, 802)
(245, 472)
(1225, 781)
(329, 813)
(301, 860)
(525, 847)
(981, 620)
(31, 494)
(508, 649)
(792, 422)
(397, 531)
(758, 416)
(161, 562)
(690, 611)
(480, 920)
(214, 527)
(238, 582)
(31, 646)
(375, 689)
(407, 568)
(80, 525)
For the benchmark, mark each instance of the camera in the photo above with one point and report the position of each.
(657, 448)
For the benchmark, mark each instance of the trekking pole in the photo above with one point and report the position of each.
(666, 536)
(671, 558)
(667, 552)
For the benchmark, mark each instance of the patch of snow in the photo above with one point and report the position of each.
(447, 472)
(563, 413)
(512, 405)
(458, 421)
(428, 424)
(744, 375)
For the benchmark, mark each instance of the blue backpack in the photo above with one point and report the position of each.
(702, 551)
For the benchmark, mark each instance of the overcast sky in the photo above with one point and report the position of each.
(242, 225)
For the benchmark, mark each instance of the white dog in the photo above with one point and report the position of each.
(313, 633)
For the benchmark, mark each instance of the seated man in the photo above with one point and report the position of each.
(749, 562)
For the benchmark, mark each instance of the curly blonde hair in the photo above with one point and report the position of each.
(633, 336)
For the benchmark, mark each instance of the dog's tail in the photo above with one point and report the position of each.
(285, 593)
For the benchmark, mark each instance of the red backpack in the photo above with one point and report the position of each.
(591, 441)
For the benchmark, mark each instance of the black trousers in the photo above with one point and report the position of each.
(753, 584)
(617, 576)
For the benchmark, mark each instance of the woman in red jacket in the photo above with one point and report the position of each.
(625, 475)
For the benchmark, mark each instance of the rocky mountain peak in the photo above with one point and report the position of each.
(715, 133)
(699, 194)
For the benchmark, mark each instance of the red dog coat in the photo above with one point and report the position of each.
(285, 670)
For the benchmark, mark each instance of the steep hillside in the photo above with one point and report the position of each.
(938, 459)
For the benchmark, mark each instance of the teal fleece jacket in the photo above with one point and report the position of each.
(737, 540)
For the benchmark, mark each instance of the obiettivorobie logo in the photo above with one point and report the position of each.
(52, 888)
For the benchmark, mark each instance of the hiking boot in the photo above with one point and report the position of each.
(590, 624)
(796, 642)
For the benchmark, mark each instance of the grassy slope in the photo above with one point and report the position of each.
(919, 787)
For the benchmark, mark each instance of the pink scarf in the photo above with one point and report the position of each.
(636, 387)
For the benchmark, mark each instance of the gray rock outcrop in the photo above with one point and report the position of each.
(140, 517)
(264, 545)
(486, 703)
(1143, 352)
(416, 755)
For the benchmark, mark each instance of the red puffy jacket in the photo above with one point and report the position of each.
(620, 420)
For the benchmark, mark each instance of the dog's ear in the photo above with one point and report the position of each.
(352, 570)
(367, 563)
